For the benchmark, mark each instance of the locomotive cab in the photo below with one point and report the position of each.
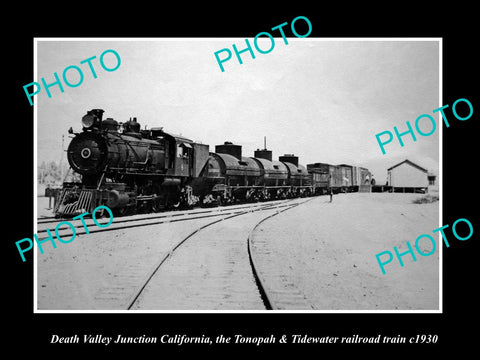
(179, 152)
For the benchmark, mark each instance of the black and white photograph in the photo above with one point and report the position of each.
(262, 187)
(226, 179)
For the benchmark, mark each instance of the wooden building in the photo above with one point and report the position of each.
(407, 176)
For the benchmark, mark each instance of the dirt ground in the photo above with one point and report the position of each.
(326, 251)
(323, 251)
(43, 208)
(100, 271)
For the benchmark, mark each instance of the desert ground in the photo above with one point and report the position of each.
(323, 251)
(327, 252)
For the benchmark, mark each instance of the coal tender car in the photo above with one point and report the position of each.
(131, 170)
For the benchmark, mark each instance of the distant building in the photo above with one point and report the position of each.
(407, 176)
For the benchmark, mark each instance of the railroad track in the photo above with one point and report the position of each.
(47, 219)
(268, 293)
(222, 282)
(120, 223)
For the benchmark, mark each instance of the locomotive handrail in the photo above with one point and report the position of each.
(100, 181)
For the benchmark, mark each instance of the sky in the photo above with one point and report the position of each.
(323, 100)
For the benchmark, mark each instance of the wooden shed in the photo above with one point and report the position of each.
(407, 176)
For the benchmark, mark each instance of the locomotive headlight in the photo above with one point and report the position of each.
(88, 121)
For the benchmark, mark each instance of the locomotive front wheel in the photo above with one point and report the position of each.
(145, 207)
(157, 205)
(121, 211)
(100, 213)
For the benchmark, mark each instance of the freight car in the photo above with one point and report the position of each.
(325, 177)
(133, 170)
(354, 177)
(338, 178)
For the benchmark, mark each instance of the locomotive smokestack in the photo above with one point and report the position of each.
(97, 112)
(92, 119)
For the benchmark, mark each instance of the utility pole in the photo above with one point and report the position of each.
(61, 159)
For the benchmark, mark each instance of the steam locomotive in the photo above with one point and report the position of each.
(131, 170)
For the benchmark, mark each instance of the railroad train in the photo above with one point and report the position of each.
(131, 170)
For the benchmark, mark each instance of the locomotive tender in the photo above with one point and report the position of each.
(133, 170)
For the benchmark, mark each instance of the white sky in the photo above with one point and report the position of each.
(322, 100)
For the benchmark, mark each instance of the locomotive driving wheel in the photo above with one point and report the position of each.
(144, 207)
(169, 201)
(122, 211)
(158, 204)
(158, 201)
(185, 199)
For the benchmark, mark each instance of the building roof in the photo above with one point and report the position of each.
(408, 162)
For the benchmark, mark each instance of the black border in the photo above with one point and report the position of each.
(456, 25)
